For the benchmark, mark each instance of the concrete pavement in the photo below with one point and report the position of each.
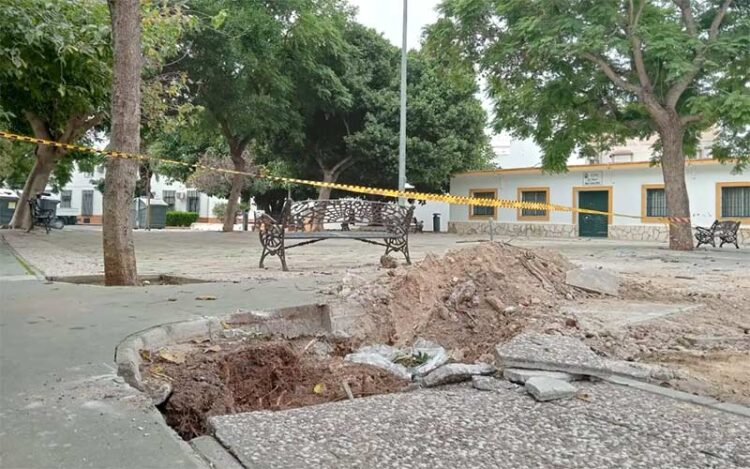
(61, 404)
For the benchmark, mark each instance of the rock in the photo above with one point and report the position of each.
(462, 292)
(377, 360)
(488, 383)
(321, 349)
(549, 389)
(495, 303)
(455, 373)
(160, 394)
(510, 309)
(593, 280)
(520, 376)
(388, 262)
(571, 322)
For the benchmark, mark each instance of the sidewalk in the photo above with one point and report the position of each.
(61, 404)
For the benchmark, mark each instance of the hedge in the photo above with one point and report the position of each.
(181, 218)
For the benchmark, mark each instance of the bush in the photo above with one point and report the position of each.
(181, 218)
(220, 209)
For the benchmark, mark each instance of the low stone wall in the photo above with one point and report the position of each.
(655, 232)
(538, 230)
(658, 233)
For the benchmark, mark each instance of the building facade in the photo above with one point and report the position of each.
(633, 191)
(81, 199)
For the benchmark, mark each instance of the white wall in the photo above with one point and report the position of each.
(424, 213)
(626, 187)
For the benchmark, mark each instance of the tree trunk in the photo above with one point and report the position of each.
(35, 183)
(675, 188)
(119, 182)
(324, 193)
(238, 160)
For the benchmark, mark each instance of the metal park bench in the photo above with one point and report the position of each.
(384, 224)
(727, 231)
(41, 216)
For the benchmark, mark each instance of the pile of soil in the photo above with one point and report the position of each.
(467, 301)
(261, 375)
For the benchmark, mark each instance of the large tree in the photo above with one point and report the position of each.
(352, 133)
(120, 178)
(581, 75)
(55, 72)
(241, 67)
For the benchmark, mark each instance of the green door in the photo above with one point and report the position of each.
(594, 226)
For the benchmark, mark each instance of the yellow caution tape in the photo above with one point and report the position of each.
(425, 196)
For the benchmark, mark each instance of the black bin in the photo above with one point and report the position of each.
(436, 222)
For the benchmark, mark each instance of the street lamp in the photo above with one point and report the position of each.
(402, 126)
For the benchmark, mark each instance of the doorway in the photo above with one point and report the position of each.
(590, 225)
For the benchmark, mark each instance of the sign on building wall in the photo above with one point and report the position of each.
(592, 178)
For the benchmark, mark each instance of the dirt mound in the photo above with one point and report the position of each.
(270, 375)
(467, 300)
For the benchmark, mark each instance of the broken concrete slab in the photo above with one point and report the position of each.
(593, 280)
(616, 313)
(551, 353)
(488, 383)
(380, 361)
(520, 375)
(548, 389)
(437, 356)
(455, 373)
(215, 454)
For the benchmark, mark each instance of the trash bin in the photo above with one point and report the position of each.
(49, 202)
(8, 203)
(158, 213)
(436, 222)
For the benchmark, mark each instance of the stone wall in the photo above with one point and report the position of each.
(655, 233)
(538, 230)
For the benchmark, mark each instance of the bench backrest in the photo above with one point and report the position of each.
(311, 215)
(728, 227)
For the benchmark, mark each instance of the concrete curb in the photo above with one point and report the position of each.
(710, 402)
(305, 320)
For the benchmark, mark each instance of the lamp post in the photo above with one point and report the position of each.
(402, 126)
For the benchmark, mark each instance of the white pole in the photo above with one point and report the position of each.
(402, 129)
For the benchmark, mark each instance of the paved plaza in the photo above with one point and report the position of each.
(62, 404)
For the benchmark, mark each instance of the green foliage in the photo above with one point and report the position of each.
(181, 218)
(572, 74)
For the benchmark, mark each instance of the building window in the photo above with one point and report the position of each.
(168, 197)
(193, 201)
(479, 211)
(536, 195)
(733, 200)
(656, 203)
(653, 203)
(65, 198)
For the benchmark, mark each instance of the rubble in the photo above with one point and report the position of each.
(520, 376)
(548, 389)
(455, 373)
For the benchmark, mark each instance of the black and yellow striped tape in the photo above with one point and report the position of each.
(425, 196)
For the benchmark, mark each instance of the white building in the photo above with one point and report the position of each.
(81, 199)
(634, 191)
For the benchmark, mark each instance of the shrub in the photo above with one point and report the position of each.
(181, 218)
(220, 209)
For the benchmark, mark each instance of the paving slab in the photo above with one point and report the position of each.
(458, 426)
(550, 352)
(520, 375)
(544, 388)
(593, 280)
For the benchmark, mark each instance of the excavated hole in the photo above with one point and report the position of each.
(217, 378)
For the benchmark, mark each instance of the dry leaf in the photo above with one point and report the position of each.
(172, 357)
(584, 396)
(213, 348)
(145, 355)
(205, 297)
(319, 388)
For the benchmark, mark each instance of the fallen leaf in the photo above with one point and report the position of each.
(205, 297)
(319, 388)
(200, 340)
(213, 348)
(172, 357)
(145, 355)
(584, 396)
(171, 299)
